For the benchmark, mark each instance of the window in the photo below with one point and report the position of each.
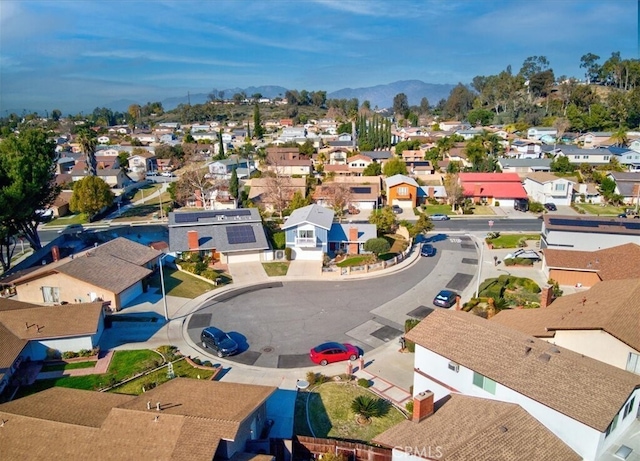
(606, 157)
(628, 407)
(305, 234)
(633, 363)
(51, 294)
(585, 156)
(576, 157)
(611, 426)
(404, 190)
(484, 383)
(559, 186)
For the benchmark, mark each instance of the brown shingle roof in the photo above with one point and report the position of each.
(615, 263)
(612, 306)
(582, 388)
(11, 348)
(127, 250)
(106, 272)
(468, 428)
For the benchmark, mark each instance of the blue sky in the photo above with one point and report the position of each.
(79, 54)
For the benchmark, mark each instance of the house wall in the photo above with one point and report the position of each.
(71, 290)
(580, 437)
(249, 429)
(37, 350)
(574, 278)
(597, 158)
(393, 198)
(569, 240)
(308, 253)
(547, 193)
(128, 295)
(241, 256)
(597, 344)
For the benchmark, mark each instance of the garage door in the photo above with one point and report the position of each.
(403, 203)
(574, 278)
(307, 254)
(506, 202)
(234, 258)
(130, 294)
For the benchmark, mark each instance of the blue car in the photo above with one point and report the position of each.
(218, 341)
(427, 250)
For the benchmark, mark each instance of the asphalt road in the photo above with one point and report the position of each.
(276, 326)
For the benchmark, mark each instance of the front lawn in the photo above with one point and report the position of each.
(124, 364)
(483, 210)
(79, 218)
(181, 284)
(276, 269)
(145, 191)
(356, 260)
(67, 366)
(599, 210)
(329, 412)
(511, 240)
(181, 368)
(438, 209)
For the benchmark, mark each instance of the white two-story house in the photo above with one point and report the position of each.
(588, 404)
(546, 187)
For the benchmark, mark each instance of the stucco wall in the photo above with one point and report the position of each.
(596, 344)
(71, 290)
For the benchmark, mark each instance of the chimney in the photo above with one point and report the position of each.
(477, 190)
(199, 203)
(192, 238)
(422, 406)
(353, 240)
(431, 191)
(55, 253)
(546, 297)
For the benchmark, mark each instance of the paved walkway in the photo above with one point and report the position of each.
(101, 366)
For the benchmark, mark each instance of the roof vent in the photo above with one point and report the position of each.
(554, 350)
(531, 341)
(527, 350)
(544, 357)
(503, 429)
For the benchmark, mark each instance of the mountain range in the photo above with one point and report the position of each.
(380, 96)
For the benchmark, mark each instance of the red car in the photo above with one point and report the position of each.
(333, 352)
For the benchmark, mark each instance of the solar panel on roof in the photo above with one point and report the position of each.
(361, 190)
(186, 217)
(240, 234)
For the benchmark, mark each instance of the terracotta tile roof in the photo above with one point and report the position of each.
(489, 177)
(593, 394)
(38, 322)
(615, 263)
(480, 429)
(127, 250)
(612, 306)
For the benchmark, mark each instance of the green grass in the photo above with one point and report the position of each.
(483, 210)
(276, 269)
(139, 213)
(181, 284)
(181, 368)
(397, 242)
(438, 209)
(330, 414)
(357, 260)
(145, 191)
(598, 210)
(68, 366)
(124, 364)
(387, 256)
(79, 218)
(511, 240)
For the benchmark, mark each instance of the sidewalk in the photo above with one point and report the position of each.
(101, 367)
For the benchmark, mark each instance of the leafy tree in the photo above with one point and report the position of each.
(384, 219)
(338, 196)
(561, 164)
(27, 173)
(56, 114)
(377, 246)
(607, 187)
(8, 244)
(407, 145)
(460, 102)
(400, 104)
(258, 129)
(422, 225)
(372, 169)
(394, 166)
(424, 106)
(90, 195)
(589, 62)
(454, 190)
(234, 184)
(480, 116)
(344, 128)
(88, 141)
(123, 159)
(298, 201)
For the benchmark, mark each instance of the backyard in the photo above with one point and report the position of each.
(181, 284)
(328, 409)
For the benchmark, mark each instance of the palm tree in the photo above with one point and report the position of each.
(620, 137)
(88, 142)
(368, 407)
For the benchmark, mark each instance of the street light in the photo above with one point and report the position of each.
(164, 295)
(481, 247)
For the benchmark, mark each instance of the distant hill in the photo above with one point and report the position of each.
(379, 95)
(382, 95)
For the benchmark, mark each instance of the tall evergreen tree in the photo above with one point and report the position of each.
(258, 129)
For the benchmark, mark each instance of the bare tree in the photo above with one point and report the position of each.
(279, 191)
(193, 182)
(454, 190)
(338, 196)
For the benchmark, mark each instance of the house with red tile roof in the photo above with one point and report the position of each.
(490, 188)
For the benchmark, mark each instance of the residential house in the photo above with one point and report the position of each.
(586, 193)
(458, 154)
(264, 192)
(461, 427)
(546, 187)
(311, 232)
(401, 190)
(628, 186)
(594, 139)
(60, 205)
(587, 404)
(216, 198)
(145, 137)
(342, 144)
(165, 164)
(182, 418)
(108, 170)
(450, 125)
(586, 268)
(293, 134)
(537, 132)
(578, 156)
(228, 236)
(103, 139)
(523, 166)
(358, 163)
(469, 133)
(427, 193)
(524, 149)
(341, 169)
(288, 164)
(587, 233)
(627, 157)
(602, 323)
(420, 168)
(379, 156)
(363, 195)
(222, 169)
(412, 155)
(114, 272)
(29, 331)
(65, 165)
(141, 162)
(338, 156)
(489, 188)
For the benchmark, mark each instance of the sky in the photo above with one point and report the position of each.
(75, 55)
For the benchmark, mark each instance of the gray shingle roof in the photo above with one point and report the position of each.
(312, 214)
(524, 162)
(400, 179)
(215, 236)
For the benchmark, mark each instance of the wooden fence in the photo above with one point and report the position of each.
(310, 448)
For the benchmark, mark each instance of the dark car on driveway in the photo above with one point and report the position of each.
(218, 341)
(445, 298)
(427, 250)
(551, 206)
(397, 209)
(333, 352)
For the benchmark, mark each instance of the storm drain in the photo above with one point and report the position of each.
(469, 261)
(420, 312)
(459, 282)
(386, 333)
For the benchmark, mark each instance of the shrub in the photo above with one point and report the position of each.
(536, 207)
(496, 203)
(311, 378)
(197, 361)
(377, 246)
(53, 354)
(170, 353)
(287, 253)
(364, 382)
(84, 353)
(409, 406)
(206, 363)
(367, 406)
(493, 235)
(522, 242)
(69, 355)
(200, 267)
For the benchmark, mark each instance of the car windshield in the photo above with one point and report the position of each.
(444, 296)
(327, 346)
